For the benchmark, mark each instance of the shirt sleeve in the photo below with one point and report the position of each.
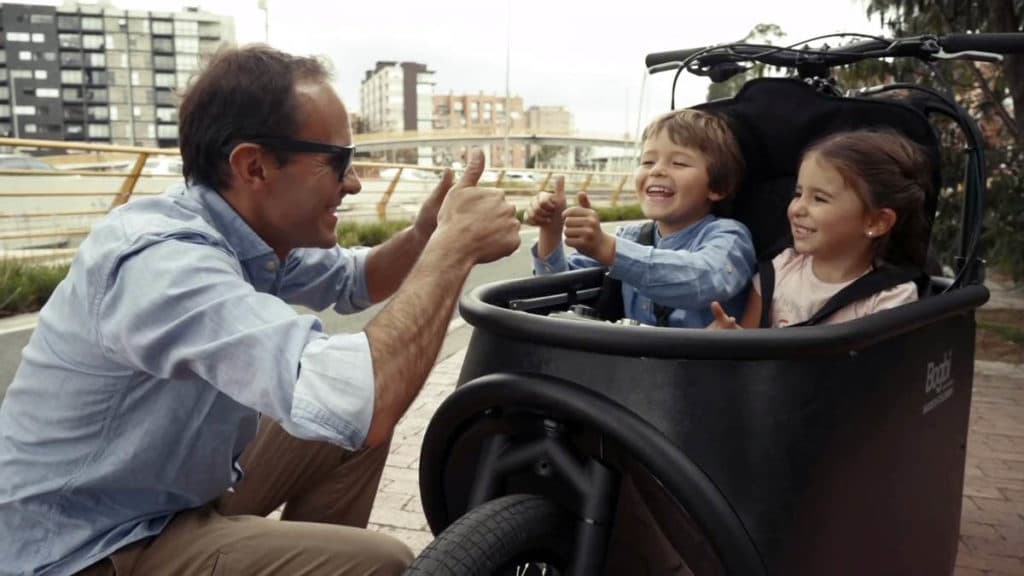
(718, 269)
(558, 262)
(319, 279)
(181, 309)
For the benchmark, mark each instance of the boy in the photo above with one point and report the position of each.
(673, 270)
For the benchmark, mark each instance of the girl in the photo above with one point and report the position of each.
(858, 204)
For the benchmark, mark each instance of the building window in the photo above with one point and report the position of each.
(73, 129)
(116, 41)
(19, 37)
(25, 110)
(39, 74)
(164, 80)
(165, 97)
(96, 59)
(140, 43)
(163, 62)
(163, 27)
(21, 74)
(71, 76)
(49, 56)
(70, 41)
(167, 132)
(142, 78)
(117, 59)
(5, 111)
(96, 95)
(186, 44)
(31, 129)
(38, 38)
(98, 113)
(183, 78)
(47, 93)
(41, 18)
(165, 45)
(92, 42)
(186, 28)
(71, 94)
(186, 62)
(25, 56)
(92, 23)
(117, 94)
(66, 22)
(99, 131)
(97, 78)
(5, 93)
(138, 25)
(167, 115)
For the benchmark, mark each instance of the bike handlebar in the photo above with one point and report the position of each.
(916, 46)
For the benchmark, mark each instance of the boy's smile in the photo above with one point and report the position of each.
(672, 184)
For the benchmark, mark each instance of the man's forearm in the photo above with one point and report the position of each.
(407, 334)
(389, 263)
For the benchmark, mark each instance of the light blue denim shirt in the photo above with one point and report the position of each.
(713, 259)
(151, 362)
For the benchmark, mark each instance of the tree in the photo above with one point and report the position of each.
(998, 84)
(992, 94)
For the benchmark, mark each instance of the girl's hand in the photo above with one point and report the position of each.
(722, 320)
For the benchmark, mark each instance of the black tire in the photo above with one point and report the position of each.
(498, 536)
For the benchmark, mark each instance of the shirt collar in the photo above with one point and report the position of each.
(686, 233)
(242, 238)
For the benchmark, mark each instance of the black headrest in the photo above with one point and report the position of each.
(775, 119)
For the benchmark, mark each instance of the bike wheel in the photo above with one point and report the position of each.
(516, 535)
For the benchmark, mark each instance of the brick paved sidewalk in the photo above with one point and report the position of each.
(992, 526)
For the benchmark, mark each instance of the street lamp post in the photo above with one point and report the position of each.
(14, 102)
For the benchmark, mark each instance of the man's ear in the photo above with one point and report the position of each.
(248, 165)
(715, 196)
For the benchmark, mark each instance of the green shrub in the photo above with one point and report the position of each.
(25, 287)
(368, 234)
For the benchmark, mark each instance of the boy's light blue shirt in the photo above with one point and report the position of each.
(713, 259)
(144, 379)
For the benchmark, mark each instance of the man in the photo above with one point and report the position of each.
(128, 438)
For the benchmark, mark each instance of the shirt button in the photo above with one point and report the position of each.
(271, 265)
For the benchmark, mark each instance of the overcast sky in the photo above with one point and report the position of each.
(588, 56)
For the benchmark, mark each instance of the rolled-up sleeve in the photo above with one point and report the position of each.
(333, 399)
(181, 309)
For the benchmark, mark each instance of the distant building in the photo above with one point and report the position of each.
(487, 113)
(397, 97)
(549, 120)
(100, 74)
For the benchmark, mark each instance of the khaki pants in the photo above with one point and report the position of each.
(327, 492)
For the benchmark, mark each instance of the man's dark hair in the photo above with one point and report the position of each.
(241, 93)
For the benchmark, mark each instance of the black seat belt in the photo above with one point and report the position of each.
(878, 280)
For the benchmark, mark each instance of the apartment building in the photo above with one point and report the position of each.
(397, 97)
(484, 113)
(549, 120)
(98, 73)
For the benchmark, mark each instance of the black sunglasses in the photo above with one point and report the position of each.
(341, 156)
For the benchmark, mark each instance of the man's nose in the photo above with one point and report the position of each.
(350, 184)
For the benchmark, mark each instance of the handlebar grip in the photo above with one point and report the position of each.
(998, 42)
(658, 58)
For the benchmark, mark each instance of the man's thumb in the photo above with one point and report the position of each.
(474, 169)
(560, 187)
(582, 200)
